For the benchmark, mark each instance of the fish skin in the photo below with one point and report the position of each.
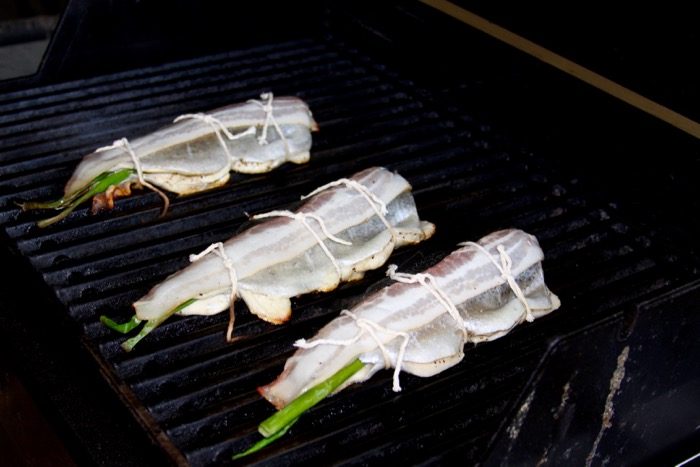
(190, 148)
(483, 298)
(269, 257)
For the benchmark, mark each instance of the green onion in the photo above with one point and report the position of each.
(264, 442)
(151, 324)
(277, 425)
(61, 202)
(307, 400)
(57, 204)
(67, 204)
(123, 328)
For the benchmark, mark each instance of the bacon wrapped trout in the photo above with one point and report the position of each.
(342, 230)
(419, 324)
(195, 153)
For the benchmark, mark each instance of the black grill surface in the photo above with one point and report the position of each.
(193, 393)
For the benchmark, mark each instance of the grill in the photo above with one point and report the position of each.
(193, 394)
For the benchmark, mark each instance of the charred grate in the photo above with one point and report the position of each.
(184, 381)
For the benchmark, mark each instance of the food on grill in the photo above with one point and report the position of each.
(419, 324)
(195, 153)
(343, 229)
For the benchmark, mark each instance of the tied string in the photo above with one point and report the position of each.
(123, 144)
(269, 118)
(218, 249)
(374, 201)
(429, 282)
(367, 327)
(505, 268)
(303, 217)
(219, 128)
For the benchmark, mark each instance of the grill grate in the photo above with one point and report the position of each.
(184, 380)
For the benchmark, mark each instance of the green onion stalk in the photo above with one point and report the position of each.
(279, 423)
(134, 322)
(67, 204)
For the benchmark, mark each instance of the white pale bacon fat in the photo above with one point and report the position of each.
(487, 304)
(198, 152)
(279, 258)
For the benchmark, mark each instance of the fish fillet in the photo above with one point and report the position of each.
(486, 303)
(279, 258)
(189, 155)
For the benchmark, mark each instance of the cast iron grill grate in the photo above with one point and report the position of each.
(184, 381)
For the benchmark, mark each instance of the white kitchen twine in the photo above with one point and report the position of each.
(369, 327)
(218, 127)
(374, 201)
(219, 250)
(506, 273)
(269, 118)
(123, 144)
(303, 216)
(429, 282)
